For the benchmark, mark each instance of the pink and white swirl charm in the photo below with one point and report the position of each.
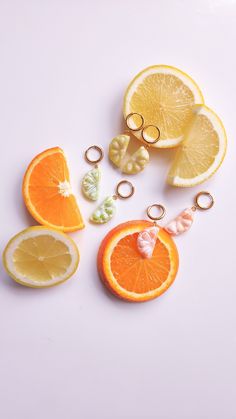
(181, 223)
(146, 241)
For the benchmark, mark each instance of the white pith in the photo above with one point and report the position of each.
(65, 189)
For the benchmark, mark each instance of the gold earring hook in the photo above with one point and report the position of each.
(160, 208)
(121, 195)
(197, 203)
(100, 152)
(129, 118)
(146, 137)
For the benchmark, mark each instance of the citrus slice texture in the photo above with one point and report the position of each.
(126, 273)
(118, 148)
(47, 192)
(104, 212)
(137, 162)
(91, 184)
(41, 257)
(164, 96)
(202, 150)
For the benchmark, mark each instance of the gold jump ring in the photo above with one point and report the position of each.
(100, 151)
(155, 139)
(160, 208)
(119, 193)
(130, 115)
(200, 206)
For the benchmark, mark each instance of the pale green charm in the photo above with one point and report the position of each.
(137, 162)
(104, 212)
(118, 148)
(91, 184)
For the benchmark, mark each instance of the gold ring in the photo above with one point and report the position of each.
(100, 151)
(160, 208)
(155, 139)
(210, 202)
(121, 183)
(130, 116)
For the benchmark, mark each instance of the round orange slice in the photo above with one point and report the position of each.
(126, 273)
(47, 192)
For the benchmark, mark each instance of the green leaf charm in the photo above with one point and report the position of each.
(91, 183)
(137, 162)
(104, 212)
(118, 148)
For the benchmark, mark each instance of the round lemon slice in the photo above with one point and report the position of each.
(202, 151)
(40, 257)
(165, 97)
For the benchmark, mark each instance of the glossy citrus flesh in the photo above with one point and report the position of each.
(41, 257)
(165, 97)
(47, 192)
(202, 150)
(126, 273)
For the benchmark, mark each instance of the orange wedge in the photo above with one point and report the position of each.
(47, 192)
(126, 273)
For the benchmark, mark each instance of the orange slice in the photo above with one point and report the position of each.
(126, 273)
(47, 192)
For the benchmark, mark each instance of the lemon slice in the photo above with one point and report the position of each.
(202, 150)
(40, 257)
(165, 97)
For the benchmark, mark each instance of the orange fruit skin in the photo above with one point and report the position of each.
(27, 199)
(103, 263)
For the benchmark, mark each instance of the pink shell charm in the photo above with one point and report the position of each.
(181, 223)
(146, 241)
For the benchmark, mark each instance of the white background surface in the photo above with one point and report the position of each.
(74, 351)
